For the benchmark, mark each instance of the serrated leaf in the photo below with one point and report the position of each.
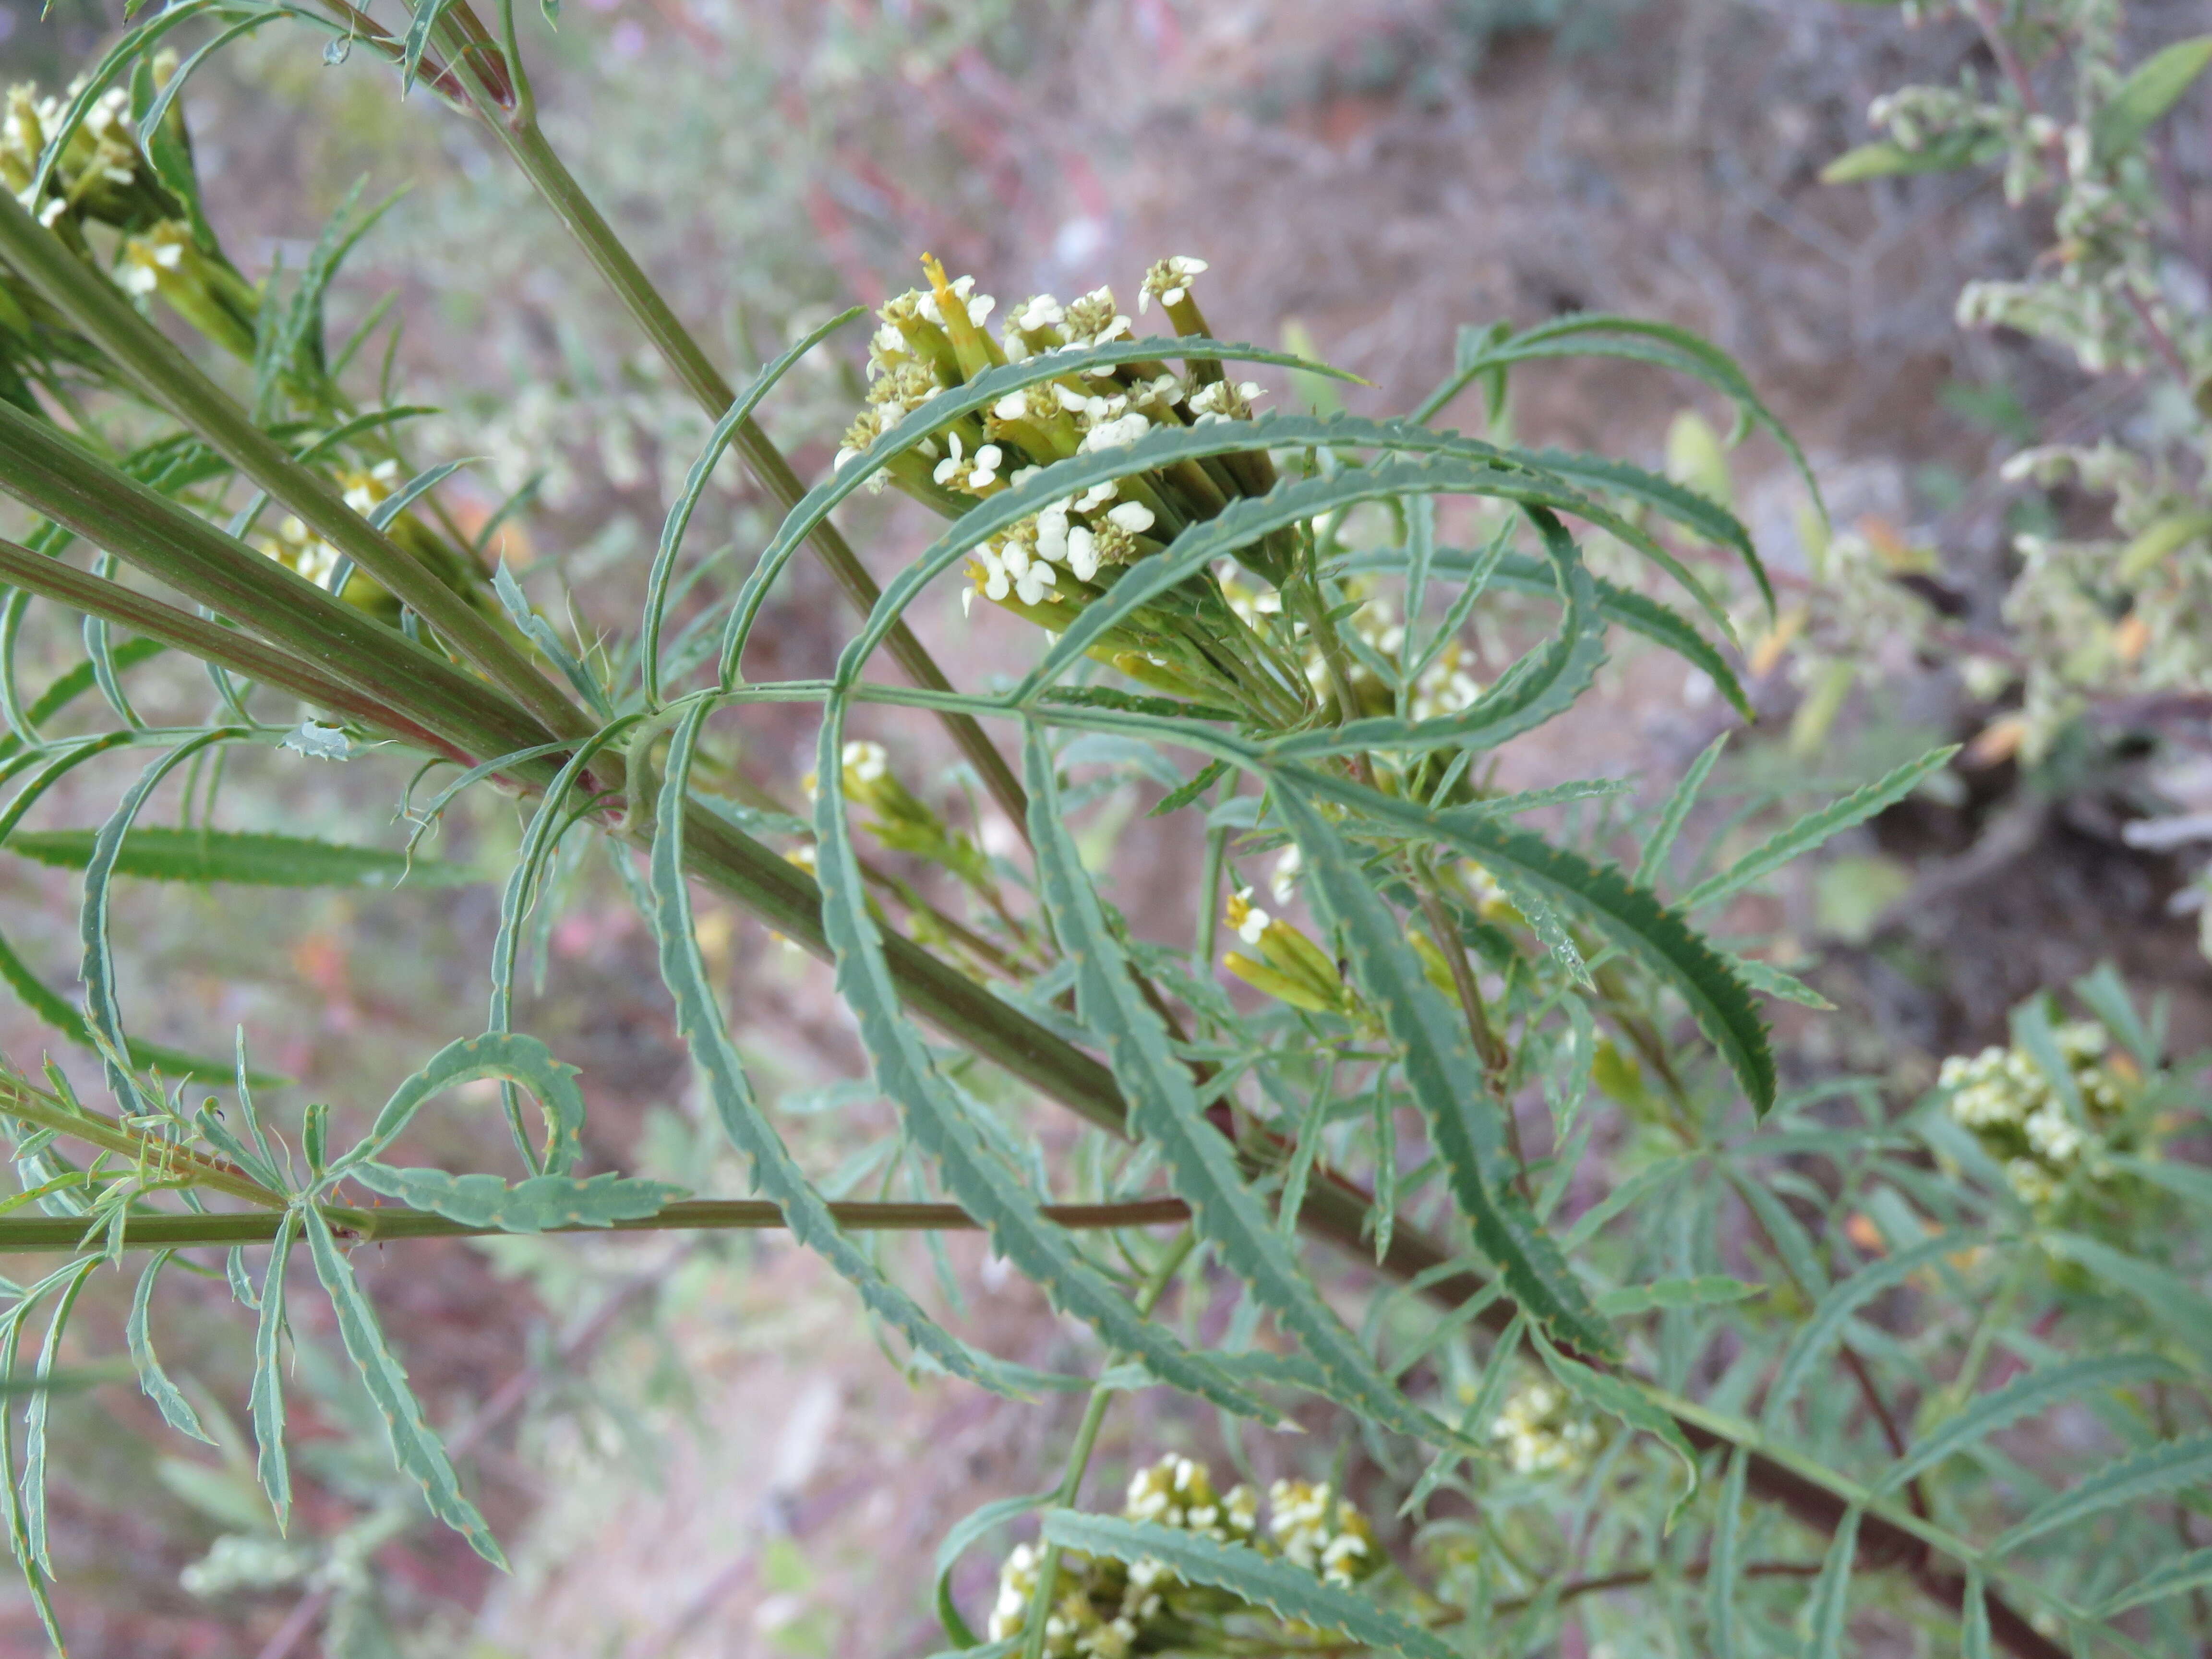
(1727, 1556)
(1635, 339)
(1291, 1592)
(1768, 981)
(1711, 1291)
(1477, 468)
(1818, 827)
(535, 1206)
(415, 1446)
(679, 519)
(1831, 1603)
(207, 856)
(2024, 1396)
(2172, 1300)
(2150, 1473)
(1445, 1078)
(265, 1402)
(1164, 1110)
(176, 1410)
(34, 1416)
(1656, 935)
(964, 1534)
(699, 1022)
(2188, 1572)
(1176, 798)
(507, 1055)
(937, 1123)
(1660, 843)
(1625, 1400)
(1825, 1324)
(1538, 688)
(2152, 87)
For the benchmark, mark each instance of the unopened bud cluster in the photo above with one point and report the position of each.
(1107, 1609)
(2008, 1101)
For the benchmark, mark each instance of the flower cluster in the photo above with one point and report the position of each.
(2005, 1097)
(1109, 1609)
(1333, 1540)
(101, 174)
(1541, 1433)
(1050, 564)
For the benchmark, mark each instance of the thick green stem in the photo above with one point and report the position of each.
(239, 652)
(41, 468)
(166, 376)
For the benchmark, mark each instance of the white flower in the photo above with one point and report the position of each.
(1082, 553)
(865, 762)
(1040, 313)
(1171, 279)
(1035, 582)
(987, 467)
(1052, 533)
(1133, 516)
(1097, 496)
(1116, 435)
(1253, 925)
(1012, 407)
(1284, 880)
(953, 464)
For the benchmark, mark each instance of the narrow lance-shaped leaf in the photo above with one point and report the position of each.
(103, 1012)
(265, 1402)
(2186, 1572)
(1649, 930)
(1288, 1590)
(937, 1124)
(1445, 1078)
(1660, 843)
(1830, 1609)
(176, 1410)
(1825, 1325)
(1815, 828)
(695, 484)
(35, 1415)
(415, 1447)
(1624, 1400)
(2150, 1473)
(2023, 1397)
(699, 1022)
(1164, 1110)
(1539, 687)
(207, 856)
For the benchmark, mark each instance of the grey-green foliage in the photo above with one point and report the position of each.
(2081, 108)
(1454, 998)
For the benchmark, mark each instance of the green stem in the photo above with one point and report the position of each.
(1086, 1437)
(175, 1231)
(164, 374)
